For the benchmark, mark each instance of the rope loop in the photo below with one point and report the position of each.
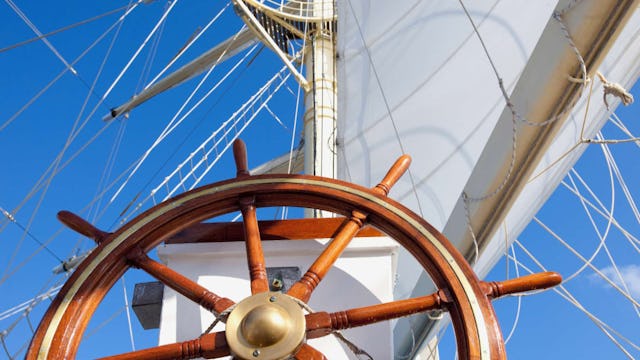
(616, 90)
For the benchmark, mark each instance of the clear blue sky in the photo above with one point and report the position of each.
(548, 328)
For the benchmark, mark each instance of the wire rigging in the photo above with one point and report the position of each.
(41, 36)
(65, 28)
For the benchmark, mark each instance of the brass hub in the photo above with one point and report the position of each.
(265, 326)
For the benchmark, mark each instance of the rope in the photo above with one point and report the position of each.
(126, 305)
(68, 27)
(33, 27)
(579, 256)
(514, 113)
(616, 90)
(220, 317)
(187, 46)
(356, 350)
(144, 43)
(565, 294)
(388, 107)
(517, 318)
(602, 238)
(177, 120)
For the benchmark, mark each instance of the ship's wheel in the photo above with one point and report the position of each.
(275, 325)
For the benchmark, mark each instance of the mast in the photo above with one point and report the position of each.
(320, 101)
(320, 115)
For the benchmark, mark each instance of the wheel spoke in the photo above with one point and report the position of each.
(180, 283)
(304, 287)
(82, 226)
(322, 323)
(255, 256)
(208, 346)
(540, 281)
(393, 175)
(307, 352)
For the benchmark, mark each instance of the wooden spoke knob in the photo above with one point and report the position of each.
(393, 175)
(81, 226)
(240, 157)
(540, 281)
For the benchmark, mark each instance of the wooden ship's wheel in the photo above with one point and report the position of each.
(275, 325)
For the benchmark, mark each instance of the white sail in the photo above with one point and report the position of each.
(439, 100)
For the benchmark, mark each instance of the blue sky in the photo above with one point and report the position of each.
(548, 326)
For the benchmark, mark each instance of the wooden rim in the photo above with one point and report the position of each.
(477, 332)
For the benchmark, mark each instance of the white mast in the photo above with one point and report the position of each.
(320, 157)
(320, 100)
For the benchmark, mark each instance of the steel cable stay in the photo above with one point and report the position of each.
(223, 136)
(33, 27)
(602, 238)
(144, 43)
(40, 183)
(75, 131)
(583, 259)
(635, 242)
(175, 121)
(296, 113)
(24, 310)
(561, 290)
(183, 50)
(65, 28)
(93, 202)
(65, 70)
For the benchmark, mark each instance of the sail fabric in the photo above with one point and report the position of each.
(418, 81)
(414, 78)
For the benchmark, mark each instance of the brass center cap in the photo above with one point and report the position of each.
(265, 325)
(268, 325)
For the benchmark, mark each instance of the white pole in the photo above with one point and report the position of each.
(320, 100)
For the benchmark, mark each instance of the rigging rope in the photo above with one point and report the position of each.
(517, 318)
(33, 27)
(579, 256)
(616, 90)
(386, 103)
(65, 70)
(173, 124)
(185, 48)
(68, 27)
(75, 131)
(565, 294)
(144, 43)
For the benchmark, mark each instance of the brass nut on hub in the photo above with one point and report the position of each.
(268, 325)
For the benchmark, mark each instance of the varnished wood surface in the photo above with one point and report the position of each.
(393, 175)
(322, 323)
(180, 283)
(539, 281)
(208, 346)
(307, 352)
(253, 245)
(444, 264)
(240, 157)
(303, 288)
(299, 229)
(81, 226)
